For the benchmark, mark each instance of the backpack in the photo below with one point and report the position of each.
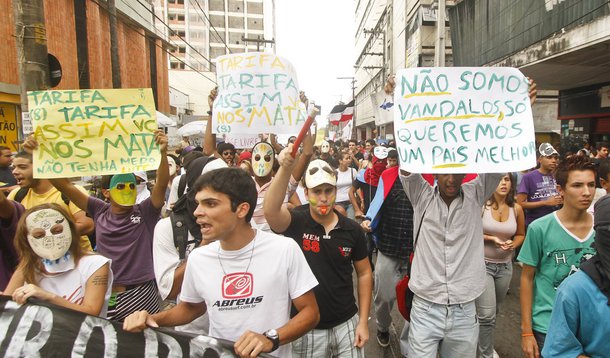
(181, 232)
(22, 192)
(181, 185)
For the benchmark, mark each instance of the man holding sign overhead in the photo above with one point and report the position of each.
(451, 121)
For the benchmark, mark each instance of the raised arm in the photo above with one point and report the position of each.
(278, 217)
(209, 139)
(303, 162)
(157, 196)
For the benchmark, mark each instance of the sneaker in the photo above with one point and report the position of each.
(383, 338)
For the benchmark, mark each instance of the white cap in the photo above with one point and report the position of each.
(214, 164)
(319, 172)
(547, 150)
(141, 174)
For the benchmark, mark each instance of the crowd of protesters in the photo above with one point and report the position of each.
(259, 247)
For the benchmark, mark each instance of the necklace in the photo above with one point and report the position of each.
(249, 261)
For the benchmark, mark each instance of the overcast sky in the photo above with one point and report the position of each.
(317, 37)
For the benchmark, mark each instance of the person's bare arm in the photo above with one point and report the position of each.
(528, 342)
(520, 234)
(365, 289)
(209, 139)
(180, 314)
(303, 162)
(83, 223)
(177, 282)
(277, 215)
(157, 197)
(250, 344)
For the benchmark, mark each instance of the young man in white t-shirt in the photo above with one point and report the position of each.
(246, 280)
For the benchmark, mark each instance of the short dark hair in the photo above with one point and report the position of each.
(393, 153)
(601, 145)
(24, 155)
(575, 162)
(233, 182)
(604, 169)
(353, 141)
(371, 142)
(225, 146)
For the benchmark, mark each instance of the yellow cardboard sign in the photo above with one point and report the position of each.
(93, 132)
(8, 126)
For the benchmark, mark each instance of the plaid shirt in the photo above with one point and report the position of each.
(395, 230)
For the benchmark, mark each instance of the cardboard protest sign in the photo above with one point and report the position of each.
(8, 126)
(39, 329)
(463, 120)
(93, 132)
(257, 93)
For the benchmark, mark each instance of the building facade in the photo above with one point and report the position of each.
(78, 36)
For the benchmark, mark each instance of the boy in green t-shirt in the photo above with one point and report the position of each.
(554, 248)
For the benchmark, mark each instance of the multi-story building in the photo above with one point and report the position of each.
(390, 35)
(78, 35)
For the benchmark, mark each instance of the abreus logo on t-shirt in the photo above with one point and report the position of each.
(236, 290)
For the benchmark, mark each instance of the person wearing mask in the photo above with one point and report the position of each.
(54, 267)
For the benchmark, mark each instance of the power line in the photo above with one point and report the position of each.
(171, 30)
(210, 22)
(159, 46)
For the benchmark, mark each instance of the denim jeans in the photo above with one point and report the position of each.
(449, 330)
(388, 271)
(497, 282)
(540, 338)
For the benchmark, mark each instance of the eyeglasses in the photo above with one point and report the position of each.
(121, 186)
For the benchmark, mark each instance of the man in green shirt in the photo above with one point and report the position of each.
(554, 248)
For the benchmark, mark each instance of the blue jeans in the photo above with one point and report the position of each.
(449, 330)
(496, 285)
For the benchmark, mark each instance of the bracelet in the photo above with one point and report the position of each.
(527, 334)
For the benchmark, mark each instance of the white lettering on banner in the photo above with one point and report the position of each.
(463, 120)
(153, 338)
(84, 333)
(19, 346)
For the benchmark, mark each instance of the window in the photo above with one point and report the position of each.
(180, 17)
(236, 22)
(217, 20)
(255, 8)
(217, 5)
(255, 24)
(181, 49)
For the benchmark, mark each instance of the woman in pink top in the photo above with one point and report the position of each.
(503, 231)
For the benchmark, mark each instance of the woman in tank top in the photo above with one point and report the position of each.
(503, 232)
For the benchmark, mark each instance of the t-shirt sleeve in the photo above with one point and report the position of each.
(360, 246)
(300, 277)
(531, 251)
(95, 206)
(523, 186)
(150, 213)
(165, 256)
(189, 292)
(561, 340)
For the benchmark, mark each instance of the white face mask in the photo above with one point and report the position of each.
(49, 233)
(171, 163)
(380, 152)
(324, 147)
(263, 158)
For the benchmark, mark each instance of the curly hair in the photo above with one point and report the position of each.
(572, 163)
(29, 262)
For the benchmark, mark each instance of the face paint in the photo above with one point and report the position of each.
(49, 233)
(123, 189)
(263, 158)
(324, 147)
(380, 152)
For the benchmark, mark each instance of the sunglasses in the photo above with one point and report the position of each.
(228, 153)
(121, 186)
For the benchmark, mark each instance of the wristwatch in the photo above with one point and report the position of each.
(273, 337)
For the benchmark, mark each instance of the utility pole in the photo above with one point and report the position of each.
(439, 54)
(114, 46)
(258, 41)
(353, 80)
(32, 53)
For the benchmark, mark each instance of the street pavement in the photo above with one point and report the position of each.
(507, 333)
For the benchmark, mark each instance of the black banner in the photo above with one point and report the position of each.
(39, 329)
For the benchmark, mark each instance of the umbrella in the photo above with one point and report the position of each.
(192, 128)
(164, 121)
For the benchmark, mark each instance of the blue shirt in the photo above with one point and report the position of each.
(580, 322)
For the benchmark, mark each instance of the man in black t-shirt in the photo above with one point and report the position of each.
(332, 244)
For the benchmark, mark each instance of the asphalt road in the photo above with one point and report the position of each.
(507, 334)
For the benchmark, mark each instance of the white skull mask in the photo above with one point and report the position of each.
(49, 233)
(171, 163)
(263, 158)
(324, 147)
(380, 152)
